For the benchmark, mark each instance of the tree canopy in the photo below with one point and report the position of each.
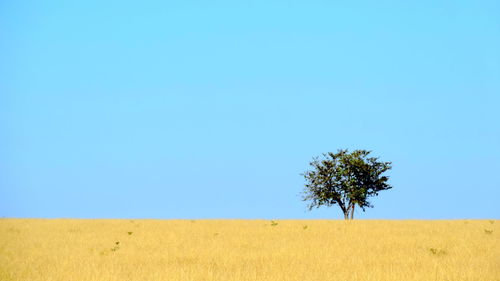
(345, 179)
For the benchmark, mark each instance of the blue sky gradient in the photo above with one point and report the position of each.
(212, 109)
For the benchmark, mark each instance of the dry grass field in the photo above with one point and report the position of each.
(239, 250)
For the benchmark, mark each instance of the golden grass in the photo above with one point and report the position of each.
(239, 250)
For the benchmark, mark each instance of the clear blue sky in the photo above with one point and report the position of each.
(212, 109)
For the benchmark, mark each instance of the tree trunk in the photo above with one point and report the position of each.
(352, 211)
(346, 209)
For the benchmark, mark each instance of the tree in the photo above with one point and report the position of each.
(345, 179)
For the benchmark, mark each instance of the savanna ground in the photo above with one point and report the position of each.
(240, 250)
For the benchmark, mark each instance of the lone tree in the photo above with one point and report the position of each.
(346, 179)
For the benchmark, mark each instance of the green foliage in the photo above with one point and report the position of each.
(345, 179)
(273, 223)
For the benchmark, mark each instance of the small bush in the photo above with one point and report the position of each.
(437, 252)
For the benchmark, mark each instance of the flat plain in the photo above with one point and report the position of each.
(240, 250)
